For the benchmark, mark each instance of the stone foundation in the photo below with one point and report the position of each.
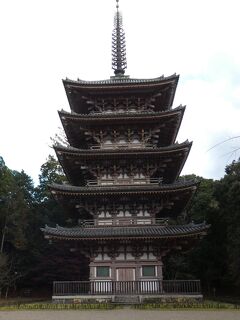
(141, 298)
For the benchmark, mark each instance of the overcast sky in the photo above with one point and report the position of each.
(44, 41)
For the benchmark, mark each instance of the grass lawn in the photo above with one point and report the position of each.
(40, 304)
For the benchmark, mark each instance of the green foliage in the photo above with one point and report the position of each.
(8, 276)
(47, 262)
(187, 304)
(16, 196)
(228, 196)
(51, 172)
(52, 306)
(2, 163)
(25, 209)
(216, 259)
(16, 202)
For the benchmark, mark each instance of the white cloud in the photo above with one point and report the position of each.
(45, 41)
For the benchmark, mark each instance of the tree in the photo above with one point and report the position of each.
(216, 258)
(8, 276)
(48, 208)
(26, 258)
(17, 199)
(60, 138)
(6, 191)
(228, 195)
(51, 172)
(51, 261)
(196, 262)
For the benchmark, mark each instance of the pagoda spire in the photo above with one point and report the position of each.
(119, 61)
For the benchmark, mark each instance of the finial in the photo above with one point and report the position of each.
(119, 61)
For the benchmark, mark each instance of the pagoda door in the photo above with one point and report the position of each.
(126, 280)
(125, 274)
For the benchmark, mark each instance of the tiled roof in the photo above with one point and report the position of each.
(110, 232)
(161, 188)
(109, 116)
(147, 151)
(120, 80)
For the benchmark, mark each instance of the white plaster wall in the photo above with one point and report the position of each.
(98, 257)
(151, 256)
(120, 257)
(144, 256)
(106, 257)
(129, 256)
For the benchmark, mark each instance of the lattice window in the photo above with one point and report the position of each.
(103, 271)
(148, 271)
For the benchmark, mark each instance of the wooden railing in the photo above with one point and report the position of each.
(113, 146)
(162, 287)
(125, 181)
(117, 221)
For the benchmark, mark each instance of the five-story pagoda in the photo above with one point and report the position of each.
(123, 165)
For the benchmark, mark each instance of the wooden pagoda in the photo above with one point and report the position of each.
(124, 194)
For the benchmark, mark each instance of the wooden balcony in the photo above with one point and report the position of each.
(117, 221)
(114, 146)
(142, 287)
(123, 182)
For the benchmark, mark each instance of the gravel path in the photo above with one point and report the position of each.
(124, 314)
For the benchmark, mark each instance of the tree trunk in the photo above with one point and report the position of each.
(6, 293)
(3, 239)
(4, 228)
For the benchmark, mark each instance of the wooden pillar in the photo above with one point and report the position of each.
(159, 269)
(138, 269)
(113, 270)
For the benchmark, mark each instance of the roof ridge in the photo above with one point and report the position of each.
(117, 80)
(176, 184)
(114, 232)
(121, 114)
(121, 150)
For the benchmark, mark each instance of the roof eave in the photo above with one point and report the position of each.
(118, 81)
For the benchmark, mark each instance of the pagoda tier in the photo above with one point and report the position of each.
(132, 204)
(120, 130)
(126, 233)
(121, 94)
(122, 166)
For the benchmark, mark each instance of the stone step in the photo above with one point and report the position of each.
(127, 299)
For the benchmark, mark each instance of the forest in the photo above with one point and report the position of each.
(29, 263)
